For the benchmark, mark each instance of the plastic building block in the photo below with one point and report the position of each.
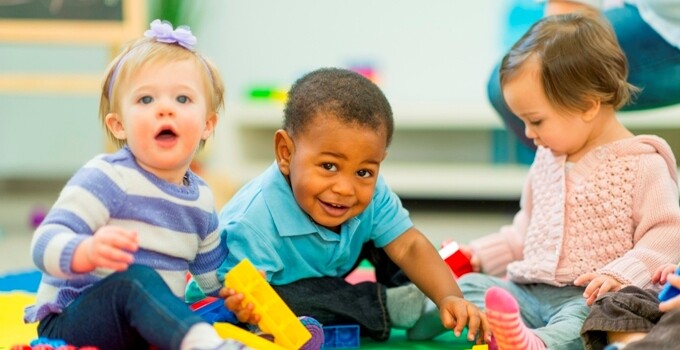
(213, 310)
(668, 291)
(341, 336)
(457, 261)
(480, 347)
(275, 316)
(229, 331)
(43, 343)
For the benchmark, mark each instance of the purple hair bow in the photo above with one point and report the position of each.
(162, 31)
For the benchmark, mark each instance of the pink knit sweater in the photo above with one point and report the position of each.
(616, 212)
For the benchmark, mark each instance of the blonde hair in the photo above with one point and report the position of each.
(580, 59)
(146, 51)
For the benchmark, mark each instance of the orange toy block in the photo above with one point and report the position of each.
(275, 316)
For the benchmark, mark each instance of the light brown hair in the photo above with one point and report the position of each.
(580, 60)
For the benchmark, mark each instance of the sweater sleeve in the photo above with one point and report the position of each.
(656, 216)
(497, 250)
(84, 205)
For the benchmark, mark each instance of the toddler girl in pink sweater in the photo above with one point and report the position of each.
(599, 209)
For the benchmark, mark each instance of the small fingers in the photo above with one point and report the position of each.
(473, 324)
(461, 319)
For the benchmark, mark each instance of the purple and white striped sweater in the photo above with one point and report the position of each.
(177, 229)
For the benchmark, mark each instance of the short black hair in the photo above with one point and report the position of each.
(341, 93)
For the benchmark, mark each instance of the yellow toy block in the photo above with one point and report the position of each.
(275, 316)
(481, 347)
(229, 331)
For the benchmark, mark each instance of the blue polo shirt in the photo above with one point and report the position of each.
(264, 223)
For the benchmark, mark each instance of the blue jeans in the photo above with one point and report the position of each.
(653, 66)
(333, 301)
(126, 310)
(555, 314)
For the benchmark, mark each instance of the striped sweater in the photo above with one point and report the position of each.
(176, 227)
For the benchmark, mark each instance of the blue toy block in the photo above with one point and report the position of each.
(215, 311)
(668, 291)
(341, 336)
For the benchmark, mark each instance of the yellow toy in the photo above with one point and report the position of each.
(253, 341)
(275, 316)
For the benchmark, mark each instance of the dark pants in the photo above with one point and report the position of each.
(331, 300)
(632, 310)
(653, 66)
(126, 310)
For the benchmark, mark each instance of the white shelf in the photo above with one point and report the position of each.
(666, 117)
(420, 128)
(462, 181)
(406, 116)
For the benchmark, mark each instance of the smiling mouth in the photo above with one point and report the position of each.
(334, 209)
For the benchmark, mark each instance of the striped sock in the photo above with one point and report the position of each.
(502, 312)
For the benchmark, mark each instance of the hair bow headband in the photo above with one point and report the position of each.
(162, 31)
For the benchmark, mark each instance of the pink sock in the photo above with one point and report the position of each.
(507, 327)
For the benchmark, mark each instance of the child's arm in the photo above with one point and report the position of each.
(414, 254)
(656, 221)
(64, 244)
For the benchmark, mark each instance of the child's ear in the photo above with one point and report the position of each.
(283, 149)
(593, 110)
(115, 126)
(210, 123)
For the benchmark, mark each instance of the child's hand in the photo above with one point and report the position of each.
(110, 247)
(597, 285)
(234, 302)
(474, 258)
(661, 274)
(674, 302)
(456, 313)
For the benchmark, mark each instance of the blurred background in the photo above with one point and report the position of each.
(451, 161)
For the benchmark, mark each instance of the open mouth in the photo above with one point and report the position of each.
(166, 135)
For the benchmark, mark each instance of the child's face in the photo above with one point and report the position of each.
(164, 116)
(565, 133)
(332, 168)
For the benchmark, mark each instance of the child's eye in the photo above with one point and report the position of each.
(182, 99)
(329, 166)
(364, 173)
(146, 100)
(535, 122)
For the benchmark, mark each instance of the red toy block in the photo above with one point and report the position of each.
(457, 261)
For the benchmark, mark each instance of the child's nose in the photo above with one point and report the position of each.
(529, 133)
(165, 109)
(343, 186)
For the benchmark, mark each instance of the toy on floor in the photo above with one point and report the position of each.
(341, 336)
(213, 310)
(668, 291)
(42, 343)
(457, 261)
(275, 316)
